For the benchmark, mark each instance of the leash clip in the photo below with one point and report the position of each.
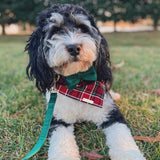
(53, 90)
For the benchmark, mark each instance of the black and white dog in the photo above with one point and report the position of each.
(67, 41)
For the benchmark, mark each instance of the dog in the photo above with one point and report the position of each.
(67, 42)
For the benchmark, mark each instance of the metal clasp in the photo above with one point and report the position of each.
(53, 90)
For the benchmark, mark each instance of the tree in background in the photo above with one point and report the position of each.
(12, 11)
(104, 10)
(6, 14)
(134, 10)
(153, 10)
(140, 9)
(111, 10)
(27, 10)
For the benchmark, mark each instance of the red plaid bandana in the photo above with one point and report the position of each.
(92, 93)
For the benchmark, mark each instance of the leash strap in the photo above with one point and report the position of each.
(45, 127)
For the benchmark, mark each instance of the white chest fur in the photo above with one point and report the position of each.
(71, 110)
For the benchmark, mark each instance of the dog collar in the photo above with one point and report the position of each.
(87, 92)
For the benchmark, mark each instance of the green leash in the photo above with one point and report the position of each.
(45, 127)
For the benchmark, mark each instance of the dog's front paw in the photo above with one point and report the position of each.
(62, 157)
(126, 155)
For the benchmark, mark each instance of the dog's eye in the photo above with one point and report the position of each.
(84, 28)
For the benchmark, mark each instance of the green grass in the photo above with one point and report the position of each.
(18, 134)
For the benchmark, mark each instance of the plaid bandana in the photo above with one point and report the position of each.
(91, 93)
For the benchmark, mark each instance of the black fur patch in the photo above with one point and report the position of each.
(55, 123)
(114, 116)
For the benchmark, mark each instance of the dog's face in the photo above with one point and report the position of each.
(66, 41)
(71, 43)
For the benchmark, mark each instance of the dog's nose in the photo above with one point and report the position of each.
(73, 49)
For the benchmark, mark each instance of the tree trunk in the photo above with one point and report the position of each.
(3, 29)
(155, 25)
(114, 25)
(24, 26)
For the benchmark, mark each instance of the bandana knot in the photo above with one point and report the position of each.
(73, 80)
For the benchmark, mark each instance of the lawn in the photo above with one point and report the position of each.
(22, 108)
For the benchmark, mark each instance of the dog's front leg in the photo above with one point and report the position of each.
(119, 139)
(62, 144)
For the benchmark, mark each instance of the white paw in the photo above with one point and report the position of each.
(126, 155)
(63, 157)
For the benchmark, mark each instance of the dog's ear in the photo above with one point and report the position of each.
(103, 63)
(37, 67)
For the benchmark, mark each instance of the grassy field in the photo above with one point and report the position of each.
(22, 108)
